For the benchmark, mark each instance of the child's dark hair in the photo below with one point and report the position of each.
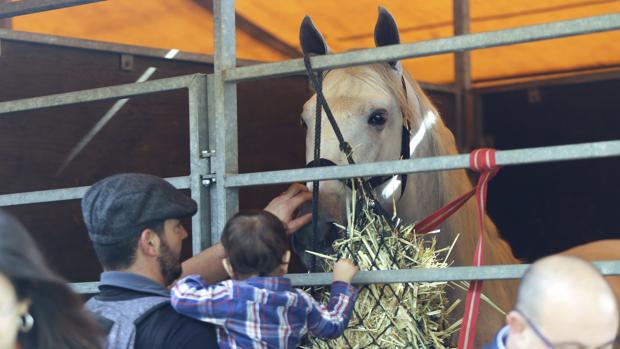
(255, 242)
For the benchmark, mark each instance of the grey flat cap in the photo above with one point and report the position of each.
(119, 207)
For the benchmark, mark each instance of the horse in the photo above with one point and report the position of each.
(371, 104)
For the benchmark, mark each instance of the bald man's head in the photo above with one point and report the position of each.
(568, 300)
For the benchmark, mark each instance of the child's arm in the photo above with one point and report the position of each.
(192, 297)
(330, 321)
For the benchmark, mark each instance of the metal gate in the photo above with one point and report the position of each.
(214, 180)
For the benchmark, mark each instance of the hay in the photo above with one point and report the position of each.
(396, 315)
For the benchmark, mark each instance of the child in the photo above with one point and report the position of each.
(258, 308)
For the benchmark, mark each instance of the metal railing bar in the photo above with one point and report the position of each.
(510, 85)
(97, 94)
(225, 201)
(487, 272)
(440, 163)
(109, 47)
(85, 287)
(24, 7)
(41, 196)
(459, 43)
(199, 165)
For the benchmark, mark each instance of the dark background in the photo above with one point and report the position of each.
(545, 208)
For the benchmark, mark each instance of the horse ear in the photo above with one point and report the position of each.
(386, 31)
(312, 42)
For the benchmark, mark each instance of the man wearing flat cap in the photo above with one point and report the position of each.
(134, 223)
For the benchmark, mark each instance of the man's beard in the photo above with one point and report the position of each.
(169, 264)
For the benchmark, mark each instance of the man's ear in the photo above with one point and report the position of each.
(149, 243)
(23, 306)
(516, 322)
(228, 267)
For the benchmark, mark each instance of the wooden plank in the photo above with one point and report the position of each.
(6, 23)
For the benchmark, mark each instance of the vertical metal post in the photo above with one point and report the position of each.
(6, 23)
(462, 75)
(199, 164)
(225, 201)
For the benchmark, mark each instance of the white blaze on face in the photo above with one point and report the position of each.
(394, 183)
(427, 122)
(392, 186)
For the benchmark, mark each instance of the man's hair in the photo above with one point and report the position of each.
(549, 271)
(255, 242)
(122, 255)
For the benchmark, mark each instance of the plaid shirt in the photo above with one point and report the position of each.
(263, 312)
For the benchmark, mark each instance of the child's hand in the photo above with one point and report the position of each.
(344, 270)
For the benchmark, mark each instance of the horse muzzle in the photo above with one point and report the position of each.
(305, 240)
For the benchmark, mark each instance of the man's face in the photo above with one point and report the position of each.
(170, 250)
(9, 314)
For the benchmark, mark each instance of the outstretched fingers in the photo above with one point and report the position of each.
(295, 189)
(286, 206)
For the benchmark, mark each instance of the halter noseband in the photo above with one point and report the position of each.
(376, 181)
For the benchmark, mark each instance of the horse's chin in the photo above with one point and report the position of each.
(305, 240)
(331, 210)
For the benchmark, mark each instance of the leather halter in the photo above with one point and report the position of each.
(376, 181)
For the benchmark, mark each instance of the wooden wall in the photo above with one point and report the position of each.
(149, 134)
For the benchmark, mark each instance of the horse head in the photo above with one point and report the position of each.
(381, 112)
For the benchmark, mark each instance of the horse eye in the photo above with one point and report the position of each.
(377, 118)
(303, 124)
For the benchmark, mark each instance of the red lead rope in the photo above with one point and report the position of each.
(480, 160)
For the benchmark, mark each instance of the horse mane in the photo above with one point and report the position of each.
(436, 139)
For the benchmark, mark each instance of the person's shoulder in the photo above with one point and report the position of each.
(498, 340)
(165, 328)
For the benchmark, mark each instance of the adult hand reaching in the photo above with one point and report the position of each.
(286, 206)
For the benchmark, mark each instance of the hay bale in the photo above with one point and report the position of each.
(397, 315)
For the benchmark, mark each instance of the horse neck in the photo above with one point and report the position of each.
(427, 192)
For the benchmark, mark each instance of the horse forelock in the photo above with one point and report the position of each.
(376, 77)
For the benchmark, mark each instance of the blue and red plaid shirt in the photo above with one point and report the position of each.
(263, 312)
